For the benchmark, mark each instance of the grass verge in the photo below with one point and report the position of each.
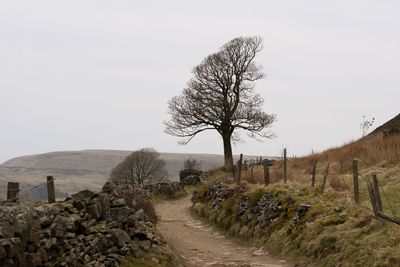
(332, 232)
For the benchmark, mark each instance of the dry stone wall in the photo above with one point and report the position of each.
(87, 229)
(190, 177)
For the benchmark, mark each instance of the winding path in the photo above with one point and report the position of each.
(200, 245)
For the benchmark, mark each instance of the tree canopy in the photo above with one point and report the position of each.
(140, 167)
(220, 96)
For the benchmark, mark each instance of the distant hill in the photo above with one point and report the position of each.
(389, 128)
(86, 169)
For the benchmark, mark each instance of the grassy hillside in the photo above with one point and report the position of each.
(375, 154)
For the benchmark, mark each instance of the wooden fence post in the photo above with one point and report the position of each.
(13, 192)
(239, 168)
(376, 201)
(325, 178)
(50, 190)
(285, 166)
(372, 195)
(313, 172)
(252, 173)
(266, 172)
(377, 194)
(355, 182)
(373, 190)
(389, 218)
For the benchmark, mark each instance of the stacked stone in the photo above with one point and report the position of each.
(268, 208)
(243, 205)
(145, 191)
(164, 189)
(301, 212)
(190, 177)
(218, 192)
(87, 229)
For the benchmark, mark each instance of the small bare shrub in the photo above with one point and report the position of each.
(137, 202)
(147, 207)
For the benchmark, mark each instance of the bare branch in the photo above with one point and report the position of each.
(221, 96)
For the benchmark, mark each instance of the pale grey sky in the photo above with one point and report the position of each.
(98, 74)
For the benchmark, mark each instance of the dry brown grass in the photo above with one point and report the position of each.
(375, 154)
(369, 151)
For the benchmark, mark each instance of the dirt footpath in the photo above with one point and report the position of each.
(200, 245)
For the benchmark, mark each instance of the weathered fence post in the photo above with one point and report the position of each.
(377, 194)
(266, 172)
(373, 190)
(389, 218)
(239, 168)
(325, 178)
(285, 166)
(13, 192)
(313, 172)
(50, 190)
(376, 201)
(372, 195)
(355, 182)
(252, 173)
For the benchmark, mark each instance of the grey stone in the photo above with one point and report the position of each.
(120, 214)
(94, 211)
(118, 203)
(190, 177)
(45, 221)
(120, 237)
(3, 253)
(34, 259)
(12, 246)
(145, 244)
(140, 215)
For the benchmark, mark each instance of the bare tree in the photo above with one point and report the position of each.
(140, 167)
(365, 125)
(221, 96)
(191, 164)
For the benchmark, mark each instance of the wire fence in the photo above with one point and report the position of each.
(29, 192)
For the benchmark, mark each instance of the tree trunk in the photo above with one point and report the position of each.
(228, 153)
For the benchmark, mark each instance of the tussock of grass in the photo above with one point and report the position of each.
(255, 195)
(156, 257)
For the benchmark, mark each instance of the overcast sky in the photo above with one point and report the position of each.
(98, 74)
